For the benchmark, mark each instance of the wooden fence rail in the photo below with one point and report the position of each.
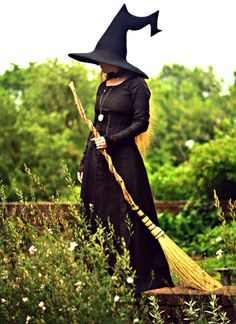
(173, 207)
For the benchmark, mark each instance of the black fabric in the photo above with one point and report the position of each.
(114, 75)
(126, 114)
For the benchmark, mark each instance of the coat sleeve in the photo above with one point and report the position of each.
(140, 95)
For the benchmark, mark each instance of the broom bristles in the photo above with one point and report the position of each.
(187, 272)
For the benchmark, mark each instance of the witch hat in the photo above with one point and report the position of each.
(111, 48)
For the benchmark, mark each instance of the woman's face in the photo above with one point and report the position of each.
(106, 68)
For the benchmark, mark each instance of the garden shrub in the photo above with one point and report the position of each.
(220, 238)
(56, 270)
(195, 218)
(169, 182)
(210, 166)
(203, 230)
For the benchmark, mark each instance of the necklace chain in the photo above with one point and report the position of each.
(101, 103)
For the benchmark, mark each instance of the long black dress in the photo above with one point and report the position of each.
(126, 114)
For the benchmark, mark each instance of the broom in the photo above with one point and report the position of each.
(186, 271)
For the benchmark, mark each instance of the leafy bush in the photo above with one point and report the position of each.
(55, 270)
(203, 230)
(211, 241)
(195, 218)
(169, 182)
(211, 166)
(221, 239)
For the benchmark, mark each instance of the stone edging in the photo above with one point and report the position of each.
(171, 300)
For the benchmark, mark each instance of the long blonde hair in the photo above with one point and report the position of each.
(144, 140)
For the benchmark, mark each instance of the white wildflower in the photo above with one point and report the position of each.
(79, 286)
(5, 274)
(40, 275)
(219, 253)
(50, 230)
(72, 246)
(28, 318)
(218, 239)
(189, 143)
(116, 298)
(136, 320)
(32, 249)
(73, 309)
(41, 305)
(113, 278)
(78, 283)
(25, 299)
(49, 252)
(130, 280)
(3, 300)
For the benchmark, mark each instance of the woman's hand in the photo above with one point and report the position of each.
(100, 142)
(80, 176)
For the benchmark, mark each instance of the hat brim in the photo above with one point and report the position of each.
(97, 57)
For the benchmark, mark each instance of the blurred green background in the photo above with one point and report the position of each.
(193, 148)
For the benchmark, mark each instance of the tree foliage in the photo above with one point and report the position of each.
(40, 126)
(187, 105)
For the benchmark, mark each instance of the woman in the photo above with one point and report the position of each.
(121, 114)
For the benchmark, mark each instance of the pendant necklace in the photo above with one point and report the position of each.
(101, 103)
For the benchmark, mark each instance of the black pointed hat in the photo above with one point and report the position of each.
(111, 48)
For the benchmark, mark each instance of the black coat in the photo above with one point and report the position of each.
(126, 114)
